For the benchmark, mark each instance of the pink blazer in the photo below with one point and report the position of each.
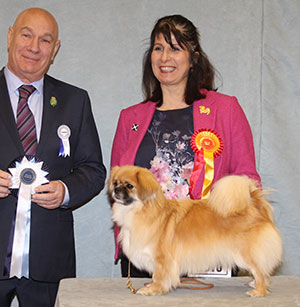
(217, 112)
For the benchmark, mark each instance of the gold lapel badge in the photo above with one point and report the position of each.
(204, 110)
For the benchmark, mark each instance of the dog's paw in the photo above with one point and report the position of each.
(145, 291)
(148, 284)
(151, 290)
(257, 293)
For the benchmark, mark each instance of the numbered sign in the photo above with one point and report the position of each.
(217, 272)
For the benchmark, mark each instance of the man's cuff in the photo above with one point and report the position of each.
(66, 200)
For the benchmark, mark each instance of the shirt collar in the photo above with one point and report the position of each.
(13, 82)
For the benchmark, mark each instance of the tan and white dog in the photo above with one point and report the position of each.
(168, 238)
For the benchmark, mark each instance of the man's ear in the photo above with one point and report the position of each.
(9, 36)
(56, 48)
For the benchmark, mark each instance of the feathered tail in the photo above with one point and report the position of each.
(233, 194)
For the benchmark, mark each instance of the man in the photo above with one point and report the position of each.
(64, 138)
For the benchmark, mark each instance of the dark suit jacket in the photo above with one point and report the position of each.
(52, 253)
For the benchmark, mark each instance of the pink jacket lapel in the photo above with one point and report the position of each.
(138, 123)
(204, 113)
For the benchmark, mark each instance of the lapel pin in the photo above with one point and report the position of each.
(204, 110)
(134, 127)
(53, 101)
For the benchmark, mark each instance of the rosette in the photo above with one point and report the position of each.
(207, 145)
(64, 133)
(26, 176)
(29, 171)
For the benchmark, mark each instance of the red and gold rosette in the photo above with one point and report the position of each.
(207, 145)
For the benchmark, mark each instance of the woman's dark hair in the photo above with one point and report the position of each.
(201, 74)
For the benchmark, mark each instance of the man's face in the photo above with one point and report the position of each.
(32, 45)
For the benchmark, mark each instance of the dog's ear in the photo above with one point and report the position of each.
(148, 187)
(111, 178)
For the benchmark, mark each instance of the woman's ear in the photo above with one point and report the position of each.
(195, 57)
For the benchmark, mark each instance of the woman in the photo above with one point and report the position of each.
(186, 133)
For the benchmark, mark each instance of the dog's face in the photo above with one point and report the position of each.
(128, 184)
(122, 188)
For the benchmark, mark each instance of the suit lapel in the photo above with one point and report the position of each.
(7, 115)
(48, 115)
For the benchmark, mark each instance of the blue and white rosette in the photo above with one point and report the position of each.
(64, 133)
(26, 176)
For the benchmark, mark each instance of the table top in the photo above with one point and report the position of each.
(94, 292)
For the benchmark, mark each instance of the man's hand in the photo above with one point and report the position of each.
(5, 183)
(50, 195)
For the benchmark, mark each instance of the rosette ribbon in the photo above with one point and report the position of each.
(207, 145)
(64, 133)
(27, 175)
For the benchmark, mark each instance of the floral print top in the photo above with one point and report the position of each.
(166, 151)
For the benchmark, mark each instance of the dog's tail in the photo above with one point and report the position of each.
(233, 194)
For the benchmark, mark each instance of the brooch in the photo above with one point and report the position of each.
(204, 110)
(53, 101)
(134, 127)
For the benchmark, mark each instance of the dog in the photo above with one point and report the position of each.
(170, 238)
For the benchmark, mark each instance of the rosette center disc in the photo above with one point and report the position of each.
(27, 176)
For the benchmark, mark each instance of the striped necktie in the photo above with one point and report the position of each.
(25, 121)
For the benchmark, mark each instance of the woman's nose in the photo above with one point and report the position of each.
(165, 55)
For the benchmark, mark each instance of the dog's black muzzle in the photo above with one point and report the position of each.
(122, 196)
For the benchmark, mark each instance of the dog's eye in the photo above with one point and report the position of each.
(129, 186)
(115, 183)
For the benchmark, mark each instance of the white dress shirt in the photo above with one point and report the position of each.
(35, 103)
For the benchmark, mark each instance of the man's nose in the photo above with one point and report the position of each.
(34, 45)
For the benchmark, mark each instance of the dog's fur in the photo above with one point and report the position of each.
(168, 238)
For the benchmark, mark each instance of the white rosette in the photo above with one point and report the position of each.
(27, 175)
(64, 133)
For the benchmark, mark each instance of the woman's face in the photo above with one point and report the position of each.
(170, 65)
